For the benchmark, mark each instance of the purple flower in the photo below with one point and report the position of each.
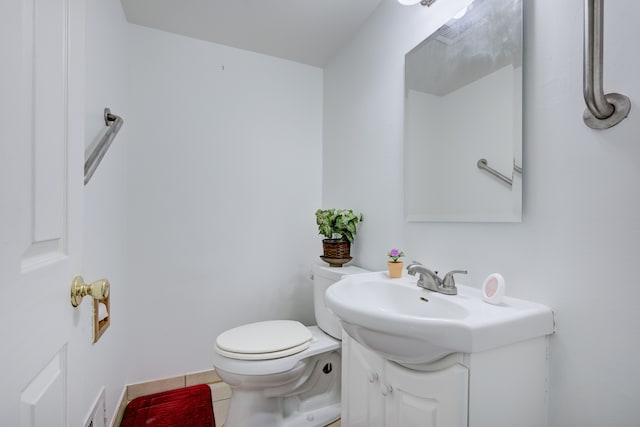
(394, 254)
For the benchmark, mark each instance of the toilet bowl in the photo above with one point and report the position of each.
(282, 373)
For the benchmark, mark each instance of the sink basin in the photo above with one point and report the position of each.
(414, 326)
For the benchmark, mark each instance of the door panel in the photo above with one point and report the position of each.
(46, 39)
(41, 184)
(361, 382)
(427, 399)
(43, 400)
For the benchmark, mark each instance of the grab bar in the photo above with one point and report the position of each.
(603, 111)
(94, 154)
(484, 165)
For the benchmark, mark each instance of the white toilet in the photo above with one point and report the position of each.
(282, 373)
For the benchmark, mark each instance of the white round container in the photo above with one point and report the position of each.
(493, 288)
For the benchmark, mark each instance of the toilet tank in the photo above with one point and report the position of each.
(323, 277)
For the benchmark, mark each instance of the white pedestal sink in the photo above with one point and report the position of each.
(413, 326)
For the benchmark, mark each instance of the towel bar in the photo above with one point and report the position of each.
(94, 154)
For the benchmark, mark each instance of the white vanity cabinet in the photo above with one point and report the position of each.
(377, 392)
(504, 387)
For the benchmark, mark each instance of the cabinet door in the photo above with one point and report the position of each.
(362, 373)
(426, 399)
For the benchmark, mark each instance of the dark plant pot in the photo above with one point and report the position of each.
(336, 252)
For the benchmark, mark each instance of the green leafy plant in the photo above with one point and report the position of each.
(337, 223)
(395, 254)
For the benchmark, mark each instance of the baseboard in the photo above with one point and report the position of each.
(116, 418)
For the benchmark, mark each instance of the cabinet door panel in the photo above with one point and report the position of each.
(427, 399)
(363, 403)
(413, 410)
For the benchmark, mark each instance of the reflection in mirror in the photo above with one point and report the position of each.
(463, 104)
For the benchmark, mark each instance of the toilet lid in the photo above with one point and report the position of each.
(264, 340)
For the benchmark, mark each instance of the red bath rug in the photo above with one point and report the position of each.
(185, 407)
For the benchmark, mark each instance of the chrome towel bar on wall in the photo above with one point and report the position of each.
(603, 111)
(94, 154)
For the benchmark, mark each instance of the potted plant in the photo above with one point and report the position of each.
(395, 266)
(338, 226)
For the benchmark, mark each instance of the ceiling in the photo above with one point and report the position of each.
(306, 31)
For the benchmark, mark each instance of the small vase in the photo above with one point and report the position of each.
(395, 269)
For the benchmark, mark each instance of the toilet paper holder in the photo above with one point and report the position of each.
(100, 291)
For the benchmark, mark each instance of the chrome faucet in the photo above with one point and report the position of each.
(430, 280)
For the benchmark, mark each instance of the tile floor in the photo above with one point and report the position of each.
(220, 393)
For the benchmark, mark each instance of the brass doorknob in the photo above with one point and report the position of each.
(98, 290)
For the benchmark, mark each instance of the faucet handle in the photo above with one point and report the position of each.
(449, 281)
(412, 263)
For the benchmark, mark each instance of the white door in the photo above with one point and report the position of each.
(41, 184)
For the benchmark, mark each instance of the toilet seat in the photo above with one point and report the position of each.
(264, 340)
(320, 343)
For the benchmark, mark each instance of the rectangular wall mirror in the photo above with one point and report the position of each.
(463, 118)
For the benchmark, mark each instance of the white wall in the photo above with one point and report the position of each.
(104, 215)
(224, 177)
(579, 241)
